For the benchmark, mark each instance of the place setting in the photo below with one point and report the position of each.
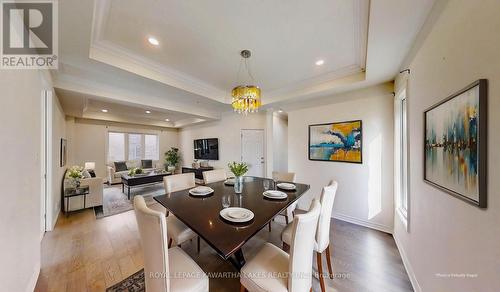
(286, 186)
(201, 191)
(272, 194)
(229, 181)
(235, 215)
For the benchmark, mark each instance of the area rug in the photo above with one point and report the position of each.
(116, 202)
(134, 283)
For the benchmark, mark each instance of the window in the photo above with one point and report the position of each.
(132, 146)
(403, 193)
(401, 151)
(116, 146)
(151, 147)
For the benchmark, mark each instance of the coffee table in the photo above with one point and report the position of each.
(141, 179)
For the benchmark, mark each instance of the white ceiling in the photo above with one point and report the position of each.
(202, 39)
(105, 54)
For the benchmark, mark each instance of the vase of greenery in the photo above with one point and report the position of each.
(239, 170)
(74, 175)
(172, 159)
(135, 171)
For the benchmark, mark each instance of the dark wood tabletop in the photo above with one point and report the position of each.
(201, 214)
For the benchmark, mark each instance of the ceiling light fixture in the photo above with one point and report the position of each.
(104, 110)
(167, 120)
(320, 62)
(153, 41)
(245, 98)
(148, 112)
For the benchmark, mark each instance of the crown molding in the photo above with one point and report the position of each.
(84, 86)
(112, 54)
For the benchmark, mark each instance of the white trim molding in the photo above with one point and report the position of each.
(408, 267)
(34, 277)
(365, 223)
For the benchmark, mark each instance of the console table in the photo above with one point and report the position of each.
(74, 192)
(198, 172)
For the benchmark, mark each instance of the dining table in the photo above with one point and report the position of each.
(202, 213)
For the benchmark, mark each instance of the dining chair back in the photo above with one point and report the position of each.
(153, 233)
(214, 175)
(323, 231)
(284, 176)
(178, 182)
(302, 247)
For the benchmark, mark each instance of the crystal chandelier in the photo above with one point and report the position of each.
(246, 98)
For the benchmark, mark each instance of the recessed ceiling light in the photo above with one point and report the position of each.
(104, 110)
(320, 62)
(148, 112)
(167, 120)
(153, 41)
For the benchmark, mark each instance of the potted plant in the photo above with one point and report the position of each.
(75, 174)
(239, 170)
(172, 159)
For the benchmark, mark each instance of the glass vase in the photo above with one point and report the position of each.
(238, 184)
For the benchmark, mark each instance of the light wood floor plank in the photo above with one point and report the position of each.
(87, 254)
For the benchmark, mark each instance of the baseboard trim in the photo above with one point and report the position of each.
(54, 222)
(406, 263)
(34, 278)
(365, 223)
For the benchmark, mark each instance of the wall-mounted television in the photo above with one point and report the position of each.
(206, 149)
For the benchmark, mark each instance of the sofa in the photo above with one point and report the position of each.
(115, 177)
(93, 199)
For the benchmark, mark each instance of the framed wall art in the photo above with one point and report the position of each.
(455, 144)
(341, 142)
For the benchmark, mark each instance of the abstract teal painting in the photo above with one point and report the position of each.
(336, 142)
(455, 144)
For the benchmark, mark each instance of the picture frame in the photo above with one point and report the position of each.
(336, 142)
(63, 154)
(455, 144)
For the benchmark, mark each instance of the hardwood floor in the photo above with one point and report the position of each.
(85, 254)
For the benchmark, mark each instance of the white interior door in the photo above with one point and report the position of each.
(252, 151)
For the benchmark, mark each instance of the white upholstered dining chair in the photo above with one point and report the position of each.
(215, 175)
(178, 232)
(272, 269)
(322, 239)
(285, 177)
(161, 265)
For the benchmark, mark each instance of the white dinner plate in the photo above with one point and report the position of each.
(276, 195)
(235, 214)
(201, 191)
(286, 186)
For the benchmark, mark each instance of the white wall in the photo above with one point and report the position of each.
(89, 140)
(228, 130)
(20, 216)
(365, 193)
(280, 143)
(446, 235)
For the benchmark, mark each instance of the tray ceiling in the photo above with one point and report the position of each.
(200, 42)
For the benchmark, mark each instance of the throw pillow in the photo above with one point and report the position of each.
(86, 174)
(91, 172)
(147, 163)
(120, 166)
